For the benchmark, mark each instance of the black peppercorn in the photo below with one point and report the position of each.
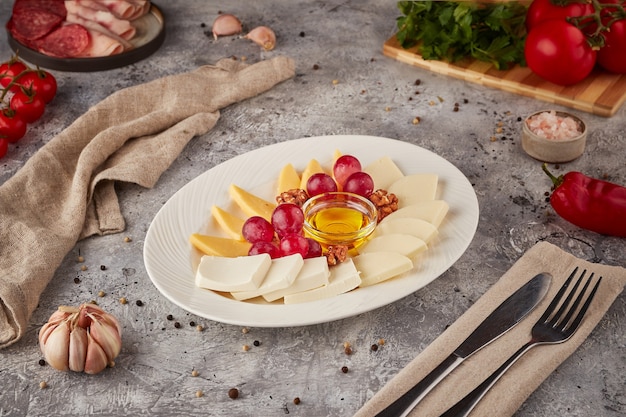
(233, 393)
(42, 362)
(139, 303)
(256, 343)
(177, 325)
(344, 369)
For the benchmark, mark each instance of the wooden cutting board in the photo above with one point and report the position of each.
(601, 93)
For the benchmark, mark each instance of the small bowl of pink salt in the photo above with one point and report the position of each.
(554, 136)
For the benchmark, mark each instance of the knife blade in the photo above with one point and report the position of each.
(510, 312)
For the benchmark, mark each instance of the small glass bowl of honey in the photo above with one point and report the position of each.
(339, 218)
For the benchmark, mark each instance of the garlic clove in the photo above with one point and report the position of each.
(263, 36)
(226, 25)
(55, 349)
(107, 337)
(96, 359)
(78, 349)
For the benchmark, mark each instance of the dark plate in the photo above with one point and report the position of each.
(149, 37)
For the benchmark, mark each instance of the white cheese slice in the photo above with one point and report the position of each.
(343, 278)
(314, 274)
(432, 211)
(407, 225)
(407, 245)
(377, 267)
(244, 273)
(281, 274)
(415, 188)
(384, 172)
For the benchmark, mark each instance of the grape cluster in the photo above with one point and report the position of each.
(283, 234)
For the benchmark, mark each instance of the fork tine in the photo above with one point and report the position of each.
(563, 323)
(572, 327)
(557, 298)
(557, 319)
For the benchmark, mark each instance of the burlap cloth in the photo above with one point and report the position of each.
(529, 372)
(65, 192)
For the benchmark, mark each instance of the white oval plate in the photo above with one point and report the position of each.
(170, 260)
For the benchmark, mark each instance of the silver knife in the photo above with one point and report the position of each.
(507, 315)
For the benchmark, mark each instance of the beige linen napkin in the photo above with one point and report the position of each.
(65, 192)
(529, 372)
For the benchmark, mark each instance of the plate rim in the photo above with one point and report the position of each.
(252, 314)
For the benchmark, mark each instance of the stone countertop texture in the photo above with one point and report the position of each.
(344, 85)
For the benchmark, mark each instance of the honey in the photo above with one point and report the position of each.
(339, 221)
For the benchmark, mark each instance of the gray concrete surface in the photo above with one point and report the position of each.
(344, 40)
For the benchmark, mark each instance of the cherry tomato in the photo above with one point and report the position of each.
(10, 69)
(42, 82)
(612, 56)
(12, 127)
(4, 147)
(559, 52)
(28, 105)
(542, 10)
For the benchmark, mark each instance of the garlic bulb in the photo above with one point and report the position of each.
(263, 36)
(226, 25)
(81, 339)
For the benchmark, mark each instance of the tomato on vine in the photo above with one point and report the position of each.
(42, 83)
(28, 105)
(4, 147)
(542, 10)
(9, 69)
(559, 52)
(12, 126)
(612, 56)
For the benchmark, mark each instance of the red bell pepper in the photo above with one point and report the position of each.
(596, 205)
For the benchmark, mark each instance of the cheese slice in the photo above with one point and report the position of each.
(377, 267)
(244, 273)
(313, 167)
(432, 211)
(415, 188)
(288, 179)
(219, 246)
(228, 222)
(407, 245)
(250, 203)
(314, 274)
(384, 172)
(407, 225)
(281, 275)
(343, 278)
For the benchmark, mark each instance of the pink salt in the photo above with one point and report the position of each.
(551, 126)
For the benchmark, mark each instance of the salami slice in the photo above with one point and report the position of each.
(67, 41)
(53, 6)
(32, 23)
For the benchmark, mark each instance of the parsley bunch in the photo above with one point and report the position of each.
(451, 30)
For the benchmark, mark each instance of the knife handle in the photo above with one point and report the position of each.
(407, 402)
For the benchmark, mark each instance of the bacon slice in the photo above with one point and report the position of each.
(122, 9)
(94, 27)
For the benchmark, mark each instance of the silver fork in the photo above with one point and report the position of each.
(551, 328)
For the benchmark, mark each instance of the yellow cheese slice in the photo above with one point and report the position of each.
(407, 245)
(384, 172)
(432, 211)
(415, 188)
(244, 273)
(313, 167)
(407, 225)
(250, 203)
(228, 222)
(219, 246)
(376, 267)
(288, 179)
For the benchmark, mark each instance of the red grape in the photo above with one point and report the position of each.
(359, 183)
(287, 219)
(345, 166)
(315, 249)
(265, 247)
(257, 229)
(294, 243)
(320, 183)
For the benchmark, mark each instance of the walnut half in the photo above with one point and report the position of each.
(336, 254)
(295, 196)
(385, 202)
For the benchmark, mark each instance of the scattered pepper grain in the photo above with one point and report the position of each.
(245, 330)
(83, 267)
(76, 280)
(139, 303)
(416, 120)
(335, 82)
(43, 385)
(177, 325)
(233, 393)
(42, 362)
(127, 239)
(192, 324)
(101, 293)
(195, 373)
(123, 300)
(170, 317)
(245, 348)
(374, 347)
(296, 400)
(387, 109)
(80, 259)
(199, 328)
(199, 393)
(381, 342)
(347, 350)
(344, 369)
(103, 267)
(256, 343)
